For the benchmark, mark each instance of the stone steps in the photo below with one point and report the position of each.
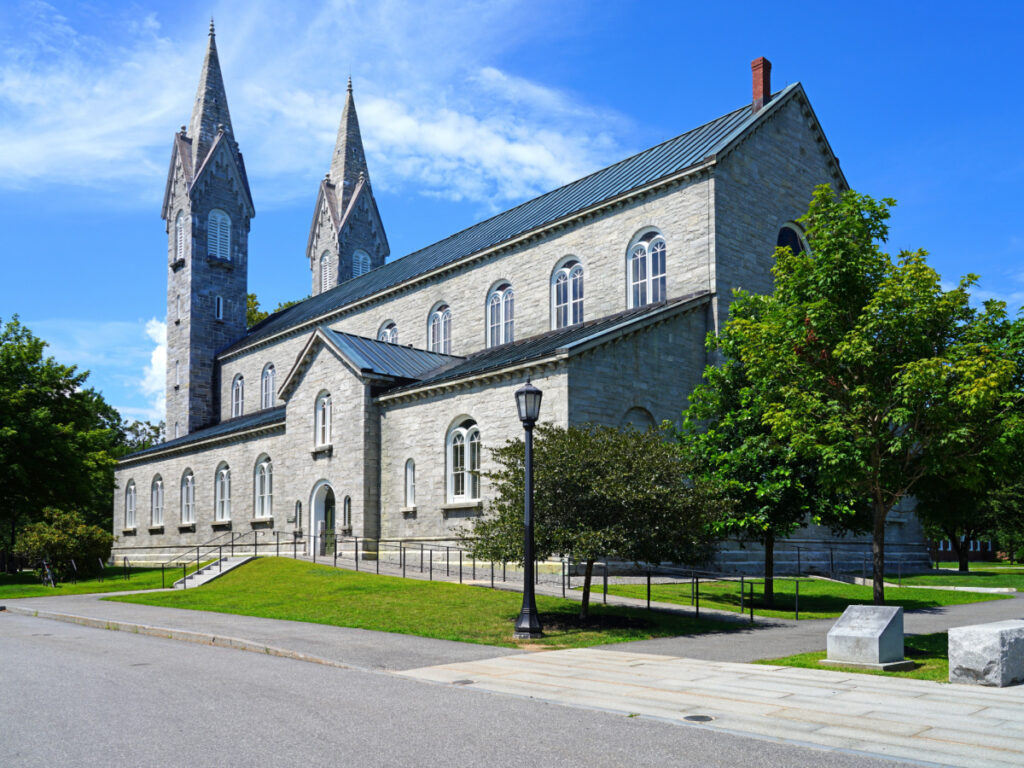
(212, 571)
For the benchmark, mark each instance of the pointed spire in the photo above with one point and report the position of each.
(210, 110)
(348, 164)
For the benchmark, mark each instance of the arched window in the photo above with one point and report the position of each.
(410, 484)
(129, 505)
(218, 235)
(323, 419)
(360, 263)
(267, 386)
(388, 332)
(188, 497)
(218, 307)
(156, 502)
(440, 335)
(567, 295)
(179, 236)
(647, 270)
(346, 513)
(464, 462)
(501, 315)
(222, 493)
(791, 236)
(325, 271)
(263, 487)
(638, 418)
(238, 396)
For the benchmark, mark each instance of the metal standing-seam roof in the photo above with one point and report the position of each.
(266, 418)
(663, 160)
(386, 359)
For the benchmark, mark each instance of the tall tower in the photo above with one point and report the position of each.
(207, 208)
(347, 236)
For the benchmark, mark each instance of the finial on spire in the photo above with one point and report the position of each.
(212, 33)
(349, 84)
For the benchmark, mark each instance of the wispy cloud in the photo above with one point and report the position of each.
(154, 376)
(99, 112)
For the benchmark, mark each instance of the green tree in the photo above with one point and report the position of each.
(253, 313)
(137, 435)
(599, 492)
(56, 436)
(880, 374)
(1006, 517)
(62, 537)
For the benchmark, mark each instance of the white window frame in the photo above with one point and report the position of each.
(218, 235)
(267, 386)
(222, 493)
(238, 396)
(325, 271)
(156, 501)
(360, 263)
(322, 419)
(646, 255)
(130, 497)
(388, 332)
(439, 330)
(188, 497)
(410, 484)
(567, 294)
(263, 488)
(501, 303)
(463, 463)
(346, 513)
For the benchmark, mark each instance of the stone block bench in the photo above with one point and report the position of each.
(987, 654)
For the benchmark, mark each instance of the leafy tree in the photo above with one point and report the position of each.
(1006, 517)
(880, 374)
(599, 492)
(253, 313)
(138, 435)
(56, 436)
(62, 537)
(774, 489)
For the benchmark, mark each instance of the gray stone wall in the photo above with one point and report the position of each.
(324, 240)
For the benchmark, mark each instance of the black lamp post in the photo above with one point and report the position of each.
(528, 624)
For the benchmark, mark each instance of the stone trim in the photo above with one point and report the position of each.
(218, 524)
(156, 529)
(322, 452)
(463, 508)
(262, 522)
(408, 512)
(187, 527)
(129, 531)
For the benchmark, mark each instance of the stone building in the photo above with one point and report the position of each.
(367, 408)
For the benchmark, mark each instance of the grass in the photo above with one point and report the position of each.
(818, 599)
(27, 584)
(928, 652)
(996, 577)
(278, 588)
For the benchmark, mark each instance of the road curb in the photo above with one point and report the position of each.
(181, 635)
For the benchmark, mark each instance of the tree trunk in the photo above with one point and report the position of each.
(878, 552)
(964, 556)
(769, 570)
(959, 550)
(585, 602)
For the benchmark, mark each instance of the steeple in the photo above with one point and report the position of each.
(210, 110)
(349, 162)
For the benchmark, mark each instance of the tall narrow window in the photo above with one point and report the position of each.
(647, 270)
(567, 295)
(129, 505)
(218, 307)
(323, 419)
(388, 333)
(346, 513)
(238, 396)
(156, 498)
(188, 498)
(440, 333)
(263, 488)
(177, 429)
(179, 236)
(500, 315)
(177, 307)
(222, 493)
(464, 462)
(325, 271)
(218, 235)
(267, 387)
(360, 263)
(410, 484)
(177, 373)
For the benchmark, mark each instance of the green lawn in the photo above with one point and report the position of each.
(995, 577)
(278, 588)
(929, 652)
(27, 584)
(818, 599)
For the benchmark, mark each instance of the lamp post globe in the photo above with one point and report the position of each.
(528, 625)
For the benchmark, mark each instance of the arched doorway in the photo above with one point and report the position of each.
(322, 520)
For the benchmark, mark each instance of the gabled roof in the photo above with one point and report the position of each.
(260, 420)
(225, 144)
(564, 341)
(668, 159)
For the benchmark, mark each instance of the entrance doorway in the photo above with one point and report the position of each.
(322, 520)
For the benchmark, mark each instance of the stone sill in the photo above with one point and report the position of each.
(177, 264)
(156, 529)
(463, 509)
(226, 524)
(262, 522)
(128, 531)
(213, 261)
(323, 450)
(408, 512)
(187, 527)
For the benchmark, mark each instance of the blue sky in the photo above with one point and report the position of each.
(466, 109)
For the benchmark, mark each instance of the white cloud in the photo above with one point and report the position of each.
(438, 117)
(154, 379)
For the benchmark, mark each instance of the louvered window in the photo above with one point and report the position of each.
(179, 236)
(218, 235)
(360, 263)
(325, 272)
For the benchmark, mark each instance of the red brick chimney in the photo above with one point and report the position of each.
(762, 70)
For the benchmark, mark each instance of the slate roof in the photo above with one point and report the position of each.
(663, 160)
(228, 427)
(547, 344)
(386, 359)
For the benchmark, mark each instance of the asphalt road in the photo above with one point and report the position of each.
(76, 696)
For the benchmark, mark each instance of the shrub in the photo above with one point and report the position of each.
(63, 537)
